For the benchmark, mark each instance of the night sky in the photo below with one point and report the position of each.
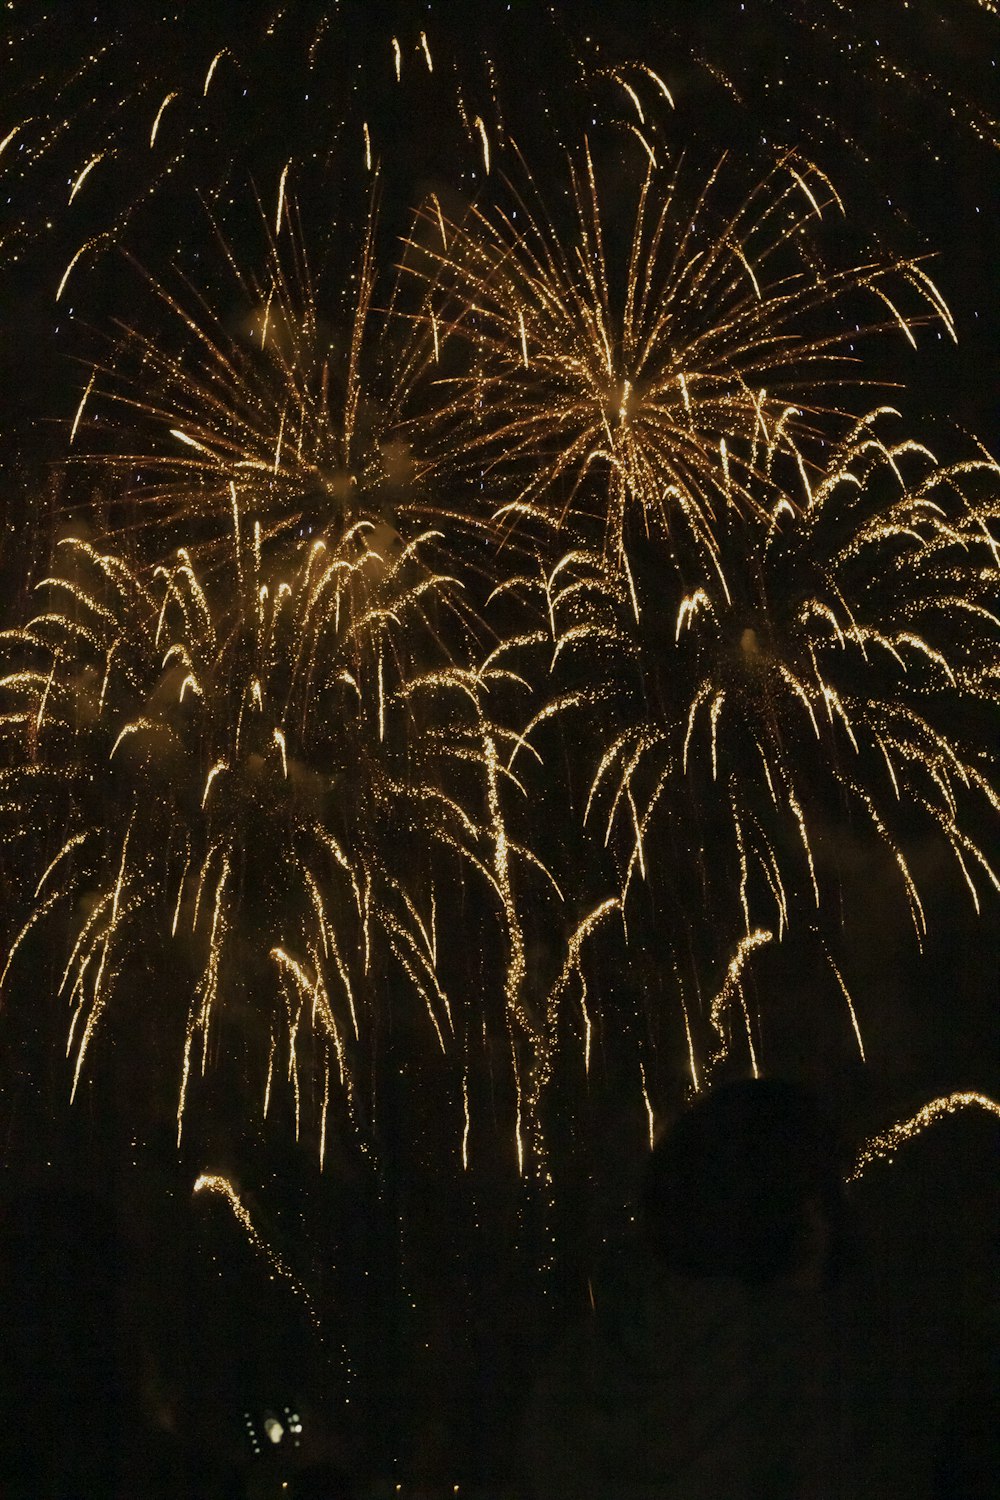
(146, 148)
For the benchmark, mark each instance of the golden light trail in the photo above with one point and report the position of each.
(484, 138)
(84, 174)
(660, 85)
(650, 1121)
(850, 1006)
(10, 136)
(222, 52)
(466, 1120)
(159, 116)
(221, 1187)
(732, 988)
(279, 215)
(884, 1146)
(83, 402)
(87, 245)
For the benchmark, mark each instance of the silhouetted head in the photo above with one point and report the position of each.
(748, 1184)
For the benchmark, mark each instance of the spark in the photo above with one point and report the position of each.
(484, 138)
(732, 986)
(10, 136)
(281, 198)
(850, 1006)
(467, 1120)
(650, 1121)
(87, 245)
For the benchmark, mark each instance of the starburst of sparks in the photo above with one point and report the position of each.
(603, 383)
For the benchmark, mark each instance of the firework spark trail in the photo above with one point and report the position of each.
(884, 1146)
(732, 988)
(221, 1187)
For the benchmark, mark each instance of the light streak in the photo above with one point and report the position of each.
(87, 245)
(79, 410)
(281, 200)
(484, 138)
(732, 987)
(885, 1145)
(650, 1121)
(221, 1187)
(222, 52)
(159, 116)
(84, 173)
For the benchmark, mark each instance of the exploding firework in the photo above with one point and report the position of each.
(602, 381)
(261, 783)
(292, 404)
(832, 663)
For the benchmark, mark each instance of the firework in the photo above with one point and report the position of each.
(811, 674)
(292, 404)
(261, 784)
(603, 383)
(221, 1187)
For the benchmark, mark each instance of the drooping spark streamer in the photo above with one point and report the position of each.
(159, 116)
(884, 1146)
(221, 1187)
(732, 988)
(274, 872)
(832, 639)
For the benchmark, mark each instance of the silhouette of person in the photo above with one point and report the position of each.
(713, 1366)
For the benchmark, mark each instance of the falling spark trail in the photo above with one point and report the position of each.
(883, 1147)
(221, 1187)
